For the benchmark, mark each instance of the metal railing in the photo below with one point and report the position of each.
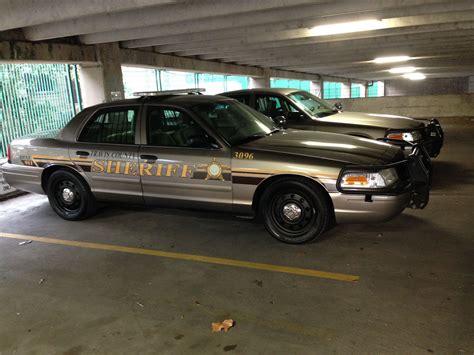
(36, 98)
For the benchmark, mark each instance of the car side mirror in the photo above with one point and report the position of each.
(338, 106)
(280, 121)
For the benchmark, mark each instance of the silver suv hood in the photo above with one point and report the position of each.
(374, 120)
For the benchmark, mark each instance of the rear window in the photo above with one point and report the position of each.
(112, 126)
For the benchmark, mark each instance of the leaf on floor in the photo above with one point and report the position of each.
(222, 326)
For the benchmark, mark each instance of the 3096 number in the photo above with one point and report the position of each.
(243, 155)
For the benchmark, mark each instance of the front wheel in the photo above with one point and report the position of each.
(69, 196)
(295, 212)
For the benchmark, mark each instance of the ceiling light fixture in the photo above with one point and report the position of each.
(414, 76)
(394, 59)
(347, 27)
(402, 70)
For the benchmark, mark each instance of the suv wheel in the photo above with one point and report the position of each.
(69, 196)
(294, 212)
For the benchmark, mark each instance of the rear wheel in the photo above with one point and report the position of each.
(295, 212)
(69, 196)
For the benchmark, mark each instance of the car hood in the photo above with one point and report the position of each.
(374, 120)
(330, 146)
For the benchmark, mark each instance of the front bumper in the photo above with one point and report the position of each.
(432, 140)
(366, 206)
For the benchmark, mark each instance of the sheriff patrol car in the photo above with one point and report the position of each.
(213, 152)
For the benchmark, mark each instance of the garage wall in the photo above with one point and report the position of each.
(434, 86)
(414, 106)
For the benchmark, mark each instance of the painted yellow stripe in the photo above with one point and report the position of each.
(189, 257)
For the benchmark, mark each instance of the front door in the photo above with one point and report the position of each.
(107, 153)
(181, 164)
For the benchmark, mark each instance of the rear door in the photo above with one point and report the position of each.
(106, 150)
(181, 164)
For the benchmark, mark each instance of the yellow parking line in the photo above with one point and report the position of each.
(191, 257)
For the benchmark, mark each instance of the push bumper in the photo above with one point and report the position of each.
(377, 206)
(433, 138)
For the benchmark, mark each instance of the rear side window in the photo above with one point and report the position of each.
(271, 106)
(116, 126)
(245, 99)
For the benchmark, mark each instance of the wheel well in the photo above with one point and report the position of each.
(53, 168)
(269, 181)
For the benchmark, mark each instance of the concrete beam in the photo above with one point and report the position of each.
(236, 20)
(291, 29)
(153, 16)
(211, 51)
(46, 52)
(362, 53)
(80, 54)
(22, 13)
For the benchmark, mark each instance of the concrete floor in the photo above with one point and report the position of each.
(415, 293)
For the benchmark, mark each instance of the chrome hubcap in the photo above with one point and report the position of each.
(291, 211)
(67, 195)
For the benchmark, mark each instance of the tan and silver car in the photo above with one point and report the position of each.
(212, 152)
(301, 110)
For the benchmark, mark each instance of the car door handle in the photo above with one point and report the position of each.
(82, 153)
(148, 157)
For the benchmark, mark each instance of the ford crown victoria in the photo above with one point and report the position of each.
(212, 152)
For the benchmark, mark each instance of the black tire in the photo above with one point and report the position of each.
(294, 211)
(69, 196)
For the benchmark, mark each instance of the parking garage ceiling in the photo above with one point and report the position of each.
(337, 38)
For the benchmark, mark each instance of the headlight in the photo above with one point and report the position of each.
(404, 136)
(368, 180)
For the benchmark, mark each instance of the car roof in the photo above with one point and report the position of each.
(182, 100)
(282, 91)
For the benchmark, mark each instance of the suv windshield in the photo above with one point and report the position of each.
(311, 104)
(235, 122)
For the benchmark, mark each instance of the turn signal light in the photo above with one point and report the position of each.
(396, 136)
(356, 180)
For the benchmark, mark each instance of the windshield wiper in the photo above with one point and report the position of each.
(273, 131)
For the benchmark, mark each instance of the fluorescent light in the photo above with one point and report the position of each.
(398, 58)
(402, 70)
(347, 27)
(414, 76)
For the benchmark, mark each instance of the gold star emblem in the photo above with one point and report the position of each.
(214, 170)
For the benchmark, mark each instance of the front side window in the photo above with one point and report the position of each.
(235, 122)
(174, 128)
(112, 126)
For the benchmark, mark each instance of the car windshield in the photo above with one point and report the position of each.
(311, 104)
(235, 122)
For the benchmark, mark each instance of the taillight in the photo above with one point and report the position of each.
(9, 154)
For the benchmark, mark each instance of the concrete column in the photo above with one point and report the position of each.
(91, 80)
(315, 87)
(346, 90)
(110, 58)
(102, 82)
(257, 83)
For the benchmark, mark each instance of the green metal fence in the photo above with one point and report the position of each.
(36, 98)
